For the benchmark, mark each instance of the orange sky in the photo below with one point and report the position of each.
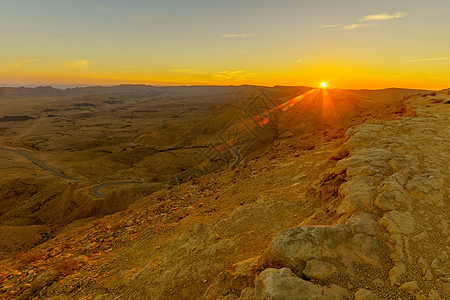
(349, 43)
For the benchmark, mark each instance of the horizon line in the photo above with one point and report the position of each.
(74, 86)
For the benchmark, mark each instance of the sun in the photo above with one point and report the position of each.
(323, 85)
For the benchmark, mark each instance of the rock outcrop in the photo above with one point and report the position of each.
(390, 237)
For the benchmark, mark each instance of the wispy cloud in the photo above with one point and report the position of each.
(299, 61)
(228, 75)
(79, 64)
(331, 25)
(357, 25)
(429, 59)
(361, 22)
(25, 62)
(240, 35)
(187, 71)
(382, 17)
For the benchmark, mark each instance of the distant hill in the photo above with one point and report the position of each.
(48, 91)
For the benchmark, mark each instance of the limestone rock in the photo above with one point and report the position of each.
(320, 270)
(422, 264)
(282, 284)
(293, 247)
(366, 162)
(229, 282)
(398, 222)
(428, 275)
(396, 273)
(366, 247)
(359, 193)
(363, 294)
(385, 201)
(247, 294)
(409, 286)
(362, 223)
(428, 187)
(438, 268)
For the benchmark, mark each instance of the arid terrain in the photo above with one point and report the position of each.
(238, 192)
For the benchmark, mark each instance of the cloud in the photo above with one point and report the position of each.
(377, 17)
(228, 75)
(331, 26)
(79, 64)
(299, 61)
(429, 59)
(382, 17)
(241, 35)
(187, 71)
(25, 62)
(354, 26)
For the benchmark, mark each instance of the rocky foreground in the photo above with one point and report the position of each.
(391, 233)
(363, 216)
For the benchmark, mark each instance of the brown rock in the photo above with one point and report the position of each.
(385, 201)
(293, 247)
(428, 275)
(363, 294)
(409, 286)
(362, 223)
(398, 222)
(320, 270)
(282, 284)
(366, 247)
(396, 273)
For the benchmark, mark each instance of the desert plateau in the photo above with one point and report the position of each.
(224, 150)
(217, 193)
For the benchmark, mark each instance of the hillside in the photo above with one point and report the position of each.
(315, 194)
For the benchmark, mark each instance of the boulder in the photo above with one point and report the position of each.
(319, 270)
(293, 247)
(283, 284)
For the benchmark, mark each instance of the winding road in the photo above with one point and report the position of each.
(41, 164)
(96, 190)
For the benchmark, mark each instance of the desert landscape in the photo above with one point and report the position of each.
(239, 192)
(224, 150)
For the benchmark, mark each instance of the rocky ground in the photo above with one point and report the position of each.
(317, 216)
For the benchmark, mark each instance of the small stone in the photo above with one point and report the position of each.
(396, 273)
(438, 268)
(409, 286)
(316, 269)
(422, 264)
(428, 275)
(378, 282)
(363, 294)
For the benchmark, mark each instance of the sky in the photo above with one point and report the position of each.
(346, 43)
